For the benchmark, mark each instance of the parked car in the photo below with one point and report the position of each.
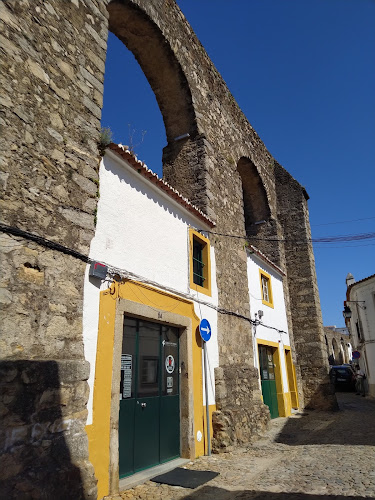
(342, 376)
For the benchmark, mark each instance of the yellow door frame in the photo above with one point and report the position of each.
(282, 397)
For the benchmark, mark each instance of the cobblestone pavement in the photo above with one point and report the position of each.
(310, 456)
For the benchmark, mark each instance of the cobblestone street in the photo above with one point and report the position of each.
(310, 456)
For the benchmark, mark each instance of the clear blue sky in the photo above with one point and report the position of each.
(303, 72)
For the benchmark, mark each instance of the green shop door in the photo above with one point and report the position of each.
(149, 420)
(267, 377)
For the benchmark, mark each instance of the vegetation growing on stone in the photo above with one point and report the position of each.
(105, 138)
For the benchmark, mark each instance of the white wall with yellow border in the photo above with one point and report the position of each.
(273, 327)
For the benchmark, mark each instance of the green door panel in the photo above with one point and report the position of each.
(146, 449)
(270, 397)
(169, 428)
(126, 437)
(267, 376)
(149, 421)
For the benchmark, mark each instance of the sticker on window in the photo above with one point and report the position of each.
(169, 364)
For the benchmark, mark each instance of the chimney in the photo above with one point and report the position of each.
(349, 280)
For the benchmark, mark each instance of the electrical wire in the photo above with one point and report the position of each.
(124, 274)
(343, 221)
(322, 239)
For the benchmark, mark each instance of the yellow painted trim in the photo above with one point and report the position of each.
(211, 409)
(291, 374)
(99, 432)
(268, 277)
(288, 402)
(206, 255)
(282, 397)
(268, 342)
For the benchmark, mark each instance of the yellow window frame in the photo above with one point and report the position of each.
(205, 242)
(266, 276)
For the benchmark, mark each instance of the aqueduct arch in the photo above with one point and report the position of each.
(53, 66)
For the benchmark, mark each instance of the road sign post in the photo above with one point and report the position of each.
(205, 332)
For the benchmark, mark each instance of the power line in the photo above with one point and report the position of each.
(345, 246)
(322, 239)
(15, 231)
(343, 221)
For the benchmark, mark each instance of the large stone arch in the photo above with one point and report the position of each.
(141, 35)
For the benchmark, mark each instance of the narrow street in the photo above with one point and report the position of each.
(310, 456)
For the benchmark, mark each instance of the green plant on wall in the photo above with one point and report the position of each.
(105, 138)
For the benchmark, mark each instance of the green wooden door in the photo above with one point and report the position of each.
(267, 377)
(149, 420)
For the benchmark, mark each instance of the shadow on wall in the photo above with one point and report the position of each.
(213, 493)
(323, 427)
(35, 461)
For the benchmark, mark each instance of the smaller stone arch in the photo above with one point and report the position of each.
(260, 226)
(256, 207)
(344, 350)
(335, 351)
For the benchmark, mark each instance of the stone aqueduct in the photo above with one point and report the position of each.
(53, 56)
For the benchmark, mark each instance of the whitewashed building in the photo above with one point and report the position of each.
(151, 280)
(273, 352)
(359, 314)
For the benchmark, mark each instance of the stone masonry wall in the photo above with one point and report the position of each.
(42, 433)
(234, 387)
(52, 59)
(305, 309)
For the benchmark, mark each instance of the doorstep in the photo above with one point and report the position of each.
(141, 477)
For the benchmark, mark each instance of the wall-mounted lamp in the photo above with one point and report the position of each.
(260, 314)
(347, 313)
(359, 302)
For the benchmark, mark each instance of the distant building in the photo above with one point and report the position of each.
(359, 313)
(338, 344)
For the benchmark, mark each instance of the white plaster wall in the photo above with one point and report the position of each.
(209, 313)
(142, 230)
(365, 292)
(274, 317)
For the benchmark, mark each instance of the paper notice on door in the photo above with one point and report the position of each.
(126, 369)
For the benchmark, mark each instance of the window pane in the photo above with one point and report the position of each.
(265, 288)
(148, 361)
(198, 265)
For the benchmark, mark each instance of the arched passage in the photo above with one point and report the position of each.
(260, 227)
(256, 207)
(335, 351)
(145, 40)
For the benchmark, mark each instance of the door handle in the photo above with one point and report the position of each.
(143, 405)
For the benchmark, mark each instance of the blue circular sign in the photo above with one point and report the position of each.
(205, 330)
(356, 354)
